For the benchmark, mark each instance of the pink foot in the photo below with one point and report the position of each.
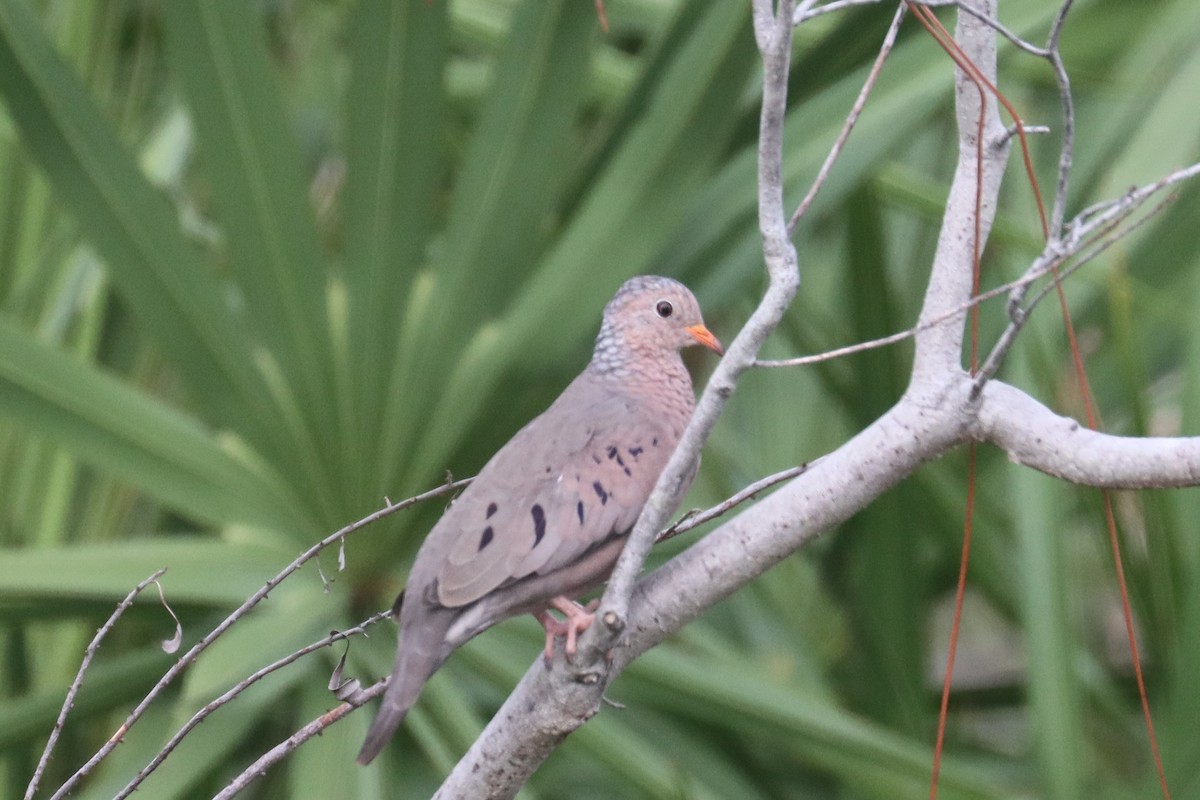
(578, 619)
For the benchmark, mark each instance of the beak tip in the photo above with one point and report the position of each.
(704, 336)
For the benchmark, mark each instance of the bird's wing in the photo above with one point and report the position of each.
(572, 478)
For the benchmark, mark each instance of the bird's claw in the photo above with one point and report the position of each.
(578, 619)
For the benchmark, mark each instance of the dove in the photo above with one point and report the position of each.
(545, 519)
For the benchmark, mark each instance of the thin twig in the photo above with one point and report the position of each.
(1103, 240)
(889, 41)
(1012, 131)
(88, 655)
(1066, 154)
(807, 10)
(1041, 267)
(997, 26)
(1098, 215)
(288, 745)
(884, 341)
(696, 518)
(1090, 226)
(254, 599)
(241, 686)
(1051, 53)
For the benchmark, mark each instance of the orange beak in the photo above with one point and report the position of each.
(704, 336)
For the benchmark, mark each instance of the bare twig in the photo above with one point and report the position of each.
(696, 518)
(190, 656)
(1028, 129)
(236, 690)
(1052, 54)
(885, 49)
(1019, 315)
(884, 341)
(774, 32)
(1100, 214)
(350, 701)
(171, 645)
(88, 655)
(809, 9)
(288, 745)
(1094, 224)
(1066, 156)
(995, 25)
(1100, 240)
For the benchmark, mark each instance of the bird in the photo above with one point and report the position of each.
(546, 518)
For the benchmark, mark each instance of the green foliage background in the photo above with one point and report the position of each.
(264, 263)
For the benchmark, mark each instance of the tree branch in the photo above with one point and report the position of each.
(976, 185)
(241, 686)
(69, 700)
(860, 102)
(1035, 436)
(192, 654)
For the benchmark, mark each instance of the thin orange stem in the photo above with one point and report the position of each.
(1133, 645)
(943, 37)
(959, 592)
(1089, 408)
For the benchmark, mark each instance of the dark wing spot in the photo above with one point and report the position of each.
(612, 453)
(621, 462)
(429, 595)
(654, 442)
(579, 511)
(603, 495)
(490, 510)
(627, 472)
(539, 524)
(486, 538)
(634, 452)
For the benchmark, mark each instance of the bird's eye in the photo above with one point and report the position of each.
(664, 309)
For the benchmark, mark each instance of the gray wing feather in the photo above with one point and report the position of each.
(565, 483)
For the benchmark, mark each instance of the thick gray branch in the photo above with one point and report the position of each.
(833, 490)
(1035, 436)
(548, 704)
(976, 184)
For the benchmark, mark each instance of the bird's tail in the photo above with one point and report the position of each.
(415, 662)
(385, 724)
